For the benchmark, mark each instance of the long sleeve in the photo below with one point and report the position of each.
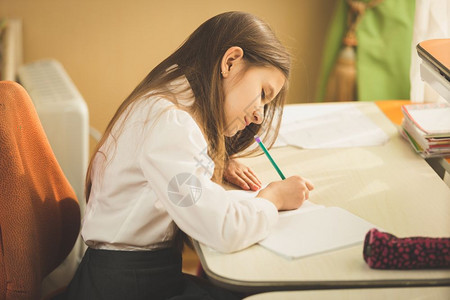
(178, 169)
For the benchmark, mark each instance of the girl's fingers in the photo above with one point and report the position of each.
(254, 176)
(250, 183)
(242, 176)
(237, 180)
(241, 183)
(306, 194)
(252, 179)
(309, 185)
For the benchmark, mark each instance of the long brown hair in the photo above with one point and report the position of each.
(198, 59)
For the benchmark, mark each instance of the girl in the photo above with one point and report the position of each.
(157, 170)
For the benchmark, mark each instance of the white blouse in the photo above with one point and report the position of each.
(157, 174)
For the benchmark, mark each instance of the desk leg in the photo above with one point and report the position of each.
(435, 163)
(441, 166)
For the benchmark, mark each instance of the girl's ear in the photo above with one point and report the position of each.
(233, 56)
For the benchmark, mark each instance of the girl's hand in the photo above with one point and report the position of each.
(289, 193)
(241, 175)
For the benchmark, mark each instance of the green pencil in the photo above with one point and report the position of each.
(260, 143)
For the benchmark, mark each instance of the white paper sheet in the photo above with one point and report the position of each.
(315, 231)
(328, 126)
(431, 118)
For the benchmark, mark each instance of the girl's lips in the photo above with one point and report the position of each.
(246, 122)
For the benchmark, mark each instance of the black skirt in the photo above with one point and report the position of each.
(110, 274)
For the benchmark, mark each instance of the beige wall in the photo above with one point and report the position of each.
(108, 46)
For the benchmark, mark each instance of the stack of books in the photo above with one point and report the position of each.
(427, 128)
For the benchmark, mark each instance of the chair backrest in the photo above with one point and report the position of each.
(39, 212)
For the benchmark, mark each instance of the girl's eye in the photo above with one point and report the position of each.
(263, 95)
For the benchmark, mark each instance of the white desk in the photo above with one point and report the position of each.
(389, 186)
(429, 293)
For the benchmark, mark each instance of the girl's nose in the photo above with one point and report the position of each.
(258, 116)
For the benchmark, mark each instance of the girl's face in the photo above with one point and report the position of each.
(246, 92)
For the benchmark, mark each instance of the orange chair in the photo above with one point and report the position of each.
(39, 212)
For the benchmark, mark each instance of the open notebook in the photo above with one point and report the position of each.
(314, 229)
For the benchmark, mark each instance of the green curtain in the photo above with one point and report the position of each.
(383, 54)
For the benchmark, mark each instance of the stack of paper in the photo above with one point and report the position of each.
(427, 128)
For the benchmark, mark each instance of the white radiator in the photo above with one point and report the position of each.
(64, 116)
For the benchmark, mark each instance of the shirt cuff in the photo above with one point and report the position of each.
(270, 209)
